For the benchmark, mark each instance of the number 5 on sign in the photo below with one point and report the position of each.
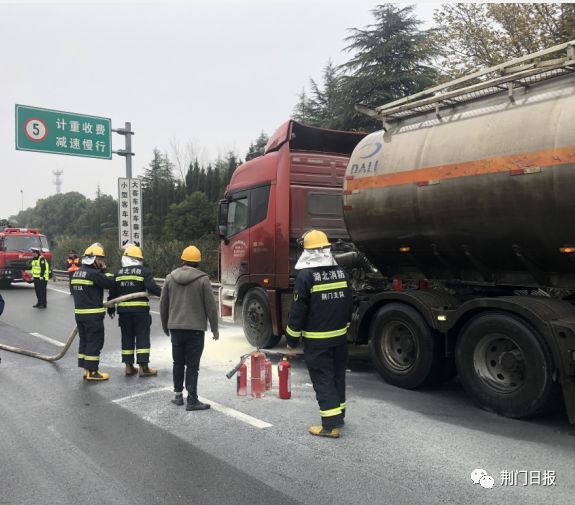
(36, 130)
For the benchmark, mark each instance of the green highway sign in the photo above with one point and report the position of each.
(53, 131)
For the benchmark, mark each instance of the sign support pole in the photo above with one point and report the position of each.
(127, 152)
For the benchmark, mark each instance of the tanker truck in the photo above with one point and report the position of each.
(455, 223)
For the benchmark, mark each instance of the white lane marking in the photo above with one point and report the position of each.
(136, 395)
(240, 416)
(48, 339)
(236, 414)
(59, 290)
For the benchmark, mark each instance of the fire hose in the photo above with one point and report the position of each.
(72, 336)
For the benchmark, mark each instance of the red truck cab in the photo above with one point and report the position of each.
(15, 254)
(270, 202)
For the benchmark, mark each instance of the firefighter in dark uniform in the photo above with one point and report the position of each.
(40, 275)
(321, 314)
(88, 286)
(134, 315)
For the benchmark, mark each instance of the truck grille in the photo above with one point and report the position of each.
(20, 264)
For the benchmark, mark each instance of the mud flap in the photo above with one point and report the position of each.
(568, 387)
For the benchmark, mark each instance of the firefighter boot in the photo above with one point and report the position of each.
(320, 431)
(96, 375)
(197, 405)
(130, 370)
(86, 372)
(146, 371)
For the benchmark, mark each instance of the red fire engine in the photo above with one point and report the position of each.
(15, 253)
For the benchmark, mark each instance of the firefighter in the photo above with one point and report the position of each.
(40, 275)
(88, 284)
(186, 304)
(72, 264)
(321, 314)
(134, 315)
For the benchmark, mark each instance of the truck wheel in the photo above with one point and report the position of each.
(403, 348)
(257, 320)
(504, 365)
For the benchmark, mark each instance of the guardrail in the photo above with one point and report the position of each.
(63, 275)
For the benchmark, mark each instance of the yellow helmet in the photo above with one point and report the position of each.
(192, 254)
(133, 251)
(314, 239)
(95, 249)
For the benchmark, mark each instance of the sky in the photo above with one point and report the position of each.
(210, 74)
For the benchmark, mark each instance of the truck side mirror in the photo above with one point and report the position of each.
(223, 219)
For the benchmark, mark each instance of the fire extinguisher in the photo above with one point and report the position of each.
(258, 373)
(242, 379)
(268, 369)
(284, 373)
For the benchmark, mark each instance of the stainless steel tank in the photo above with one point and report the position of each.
(483, 194)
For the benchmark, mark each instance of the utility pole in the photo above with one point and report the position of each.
(58, 181)
(21, 199)
(127, 152)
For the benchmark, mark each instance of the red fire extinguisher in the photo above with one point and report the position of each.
(284, 372)
(258, 374)
(268, 370)
(242, 371)
(242, 384)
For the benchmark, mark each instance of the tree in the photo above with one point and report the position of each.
(324, 108)
(190, 219)
(391, 58)
(476, 35)
(256, 148)
(159, 191)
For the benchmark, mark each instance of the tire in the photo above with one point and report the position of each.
(404, 349)
(257, 320)
(504, 365)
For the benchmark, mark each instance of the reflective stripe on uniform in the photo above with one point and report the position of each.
(86, 282)
(329, 286)
(92, 358)
(126, 353)
(331, 412)
(99, 310)
(81, 356)
(326, 334)
(342, 405)
(134, 304)
(130, 278)
(109, 275)
(142, 351)
(293, 333)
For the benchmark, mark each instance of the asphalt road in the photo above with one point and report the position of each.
(63, 441)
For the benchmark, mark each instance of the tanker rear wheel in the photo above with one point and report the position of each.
(504, 365)
(257, 320)
(404, 349)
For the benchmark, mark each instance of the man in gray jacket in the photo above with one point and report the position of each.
(187, 302)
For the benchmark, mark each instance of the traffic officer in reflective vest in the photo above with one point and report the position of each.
(88, 286)
(40, 274)
(134, 315)
(321, 314)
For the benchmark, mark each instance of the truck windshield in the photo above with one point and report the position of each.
(24, 243)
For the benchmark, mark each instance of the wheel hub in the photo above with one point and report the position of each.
(398, 346)
(499, 363)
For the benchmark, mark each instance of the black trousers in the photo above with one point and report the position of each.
(41, 286)
(91, 335)
(70, 274)
(187, 349)
(135, 328)
(327, 372)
